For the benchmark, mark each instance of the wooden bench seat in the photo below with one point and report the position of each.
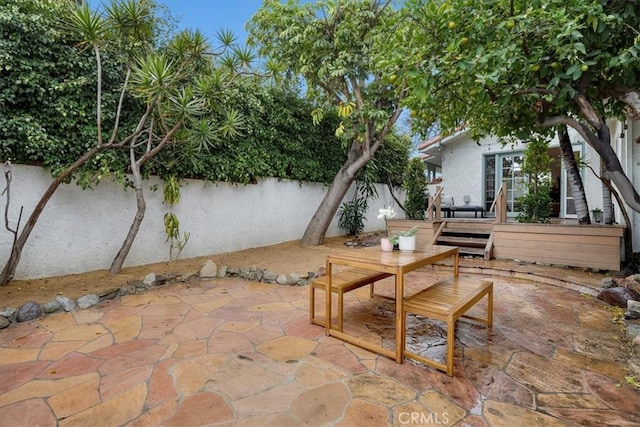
(342, 282)
(448, 300)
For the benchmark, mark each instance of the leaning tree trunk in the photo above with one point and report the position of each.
(319, 224)
(16, 250)
(118, 261)
(574, 177)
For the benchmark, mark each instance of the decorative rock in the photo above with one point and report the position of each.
(282, 279)
(87, 301)
(631, 314)
(633, 310)
(270, 276)
(618, 296)
(67, 303)
(4, 322)
(149, 279)
(30, 310)
(51, 306)
(245, 272)
(209, 270)
(632, 282)
(109, 293)
(607, 282)
(8, 312)
(634, 277)
(161, 279)
(293, 279)
(222, 271)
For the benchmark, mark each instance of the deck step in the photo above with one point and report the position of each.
(469, 231)
(462, 241)
(468, 235)
(471, 251)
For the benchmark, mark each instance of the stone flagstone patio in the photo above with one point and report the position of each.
(229, 352)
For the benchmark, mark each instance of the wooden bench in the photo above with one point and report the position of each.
(342, 282)
(448, 300)
(450, 211)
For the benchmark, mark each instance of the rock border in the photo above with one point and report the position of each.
(32, 310)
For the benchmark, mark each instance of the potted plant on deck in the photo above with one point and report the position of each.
(597, 214)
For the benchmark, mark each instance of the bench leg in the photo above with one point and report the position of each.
(312, 304)
(340, 310)
(451, 339)
(490, 308)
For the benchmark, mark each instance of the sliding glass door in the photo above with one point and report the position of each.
(505, 168)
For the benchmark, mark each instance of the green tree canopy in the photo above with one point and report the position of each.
(333, 46)
(524, 67)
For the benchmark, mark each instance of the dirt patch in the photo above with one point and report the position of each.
(289, 257)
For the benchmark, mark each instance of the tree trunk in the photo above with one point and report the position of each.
(601, 143)
(118, 261)
(16, 251)
(319, 224)
(607, 203)
(136, 165)
(573, 175)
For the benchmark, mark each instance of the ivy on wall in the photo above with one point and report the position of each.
(47, 117)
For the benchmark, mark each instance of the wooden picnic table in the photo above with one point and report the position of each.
(395, 263)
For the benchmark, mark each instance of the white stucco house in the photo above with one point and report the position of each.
(471, 172)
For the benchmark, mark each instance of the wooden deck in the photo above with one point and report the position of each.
(562, 242)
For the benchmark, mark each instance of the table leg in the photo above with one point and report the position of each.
(328, 293)
(400, 318)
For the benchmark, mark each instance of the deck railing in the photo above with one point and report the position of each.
(500, 204)
(433, 212)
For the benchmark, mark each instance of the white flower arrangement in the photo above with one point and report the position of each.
(386, 213)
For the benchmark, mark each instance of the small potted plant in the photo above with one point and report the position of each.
(387, 243)
(597, 214)
(407, 239)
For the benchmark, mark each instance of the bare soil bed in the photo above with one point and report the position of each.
(289, 257)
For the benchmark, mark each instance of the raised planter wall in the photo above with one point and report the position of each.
(592, 246)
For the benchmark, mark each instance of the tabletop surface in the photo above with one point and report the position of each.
(375, 256)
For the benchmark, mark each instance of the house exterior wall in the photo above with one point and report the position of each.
(82, 231)
(463, 168)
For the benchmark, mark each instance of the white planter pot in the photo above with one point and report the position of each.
(386, 245)
(407, 244)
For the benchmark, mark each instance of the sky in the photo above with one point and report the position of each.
(211, 16)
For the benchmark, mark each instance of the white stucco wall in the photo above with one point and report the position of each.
(82, 231)
(463, 168)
